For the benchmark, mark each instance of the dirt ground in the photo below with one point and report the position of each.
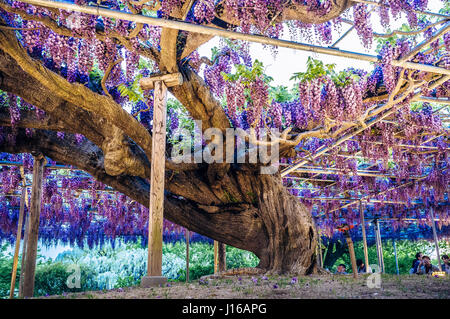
(284, 287)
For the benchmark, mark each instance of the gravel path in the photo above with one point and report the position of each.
(283, 287)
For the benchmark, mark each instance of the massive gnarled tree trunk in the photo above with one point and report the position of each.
(248, 210)
(231, 203)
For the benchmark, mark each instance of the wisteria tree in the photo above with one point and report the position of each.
(72, 94)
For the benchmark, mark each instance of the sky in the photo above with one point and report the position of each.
(289, 61)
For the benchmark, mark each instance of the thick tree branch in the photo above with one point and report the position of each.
(46, 21)
(76, 93)
(233, 221)
(75, 119)
(197, 98)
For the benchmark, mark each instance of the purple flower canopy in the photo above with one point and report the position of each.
(78, 210)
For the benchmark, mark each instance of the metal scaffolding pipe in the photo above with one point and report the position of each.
(436, 243)
(180, 25)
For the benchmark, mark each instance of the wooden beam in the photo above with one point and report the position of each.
(35, 211)
(173, 79)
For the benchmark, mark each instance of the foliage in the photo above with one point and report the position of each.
(6, 263)
(51, 279)
(122, 266)
(248, 74)
(317, 69)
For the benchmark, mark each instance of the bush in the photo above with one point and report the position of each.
(51, 279)
(6, 263)
(124, 266)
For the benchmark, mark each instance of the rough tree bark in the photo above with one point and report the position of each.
(260, 215)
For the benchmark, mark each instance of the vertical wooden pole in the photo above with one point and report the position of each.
(187, 255)
(319, 246)
(351, 250)
(35, 211)
(375, 224)
(18, 239)
(395, 255)
(363, 228)
(379, 245)
(222, 257)
(155, 222)
(436, 243)
(216, 257)
(24, 246)
(381, 248)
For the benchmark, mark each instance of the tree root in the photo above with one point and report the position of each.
(235, 272)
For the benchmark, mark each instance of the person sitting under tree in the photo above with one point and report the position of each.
(341, 270)
(361, 266)
(416, 263)
(426, 268)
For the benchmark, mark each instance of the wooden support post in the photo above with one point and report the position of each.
(33, 231)
(381, 248)
(379, 245)
(396, 257)
(351, 251)
(18, 238)
(363, 228)
(222, 257)
(319, 246)
(216, 257)
(24, 246)
(187, 255)
(436, 243)
(155, 223)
